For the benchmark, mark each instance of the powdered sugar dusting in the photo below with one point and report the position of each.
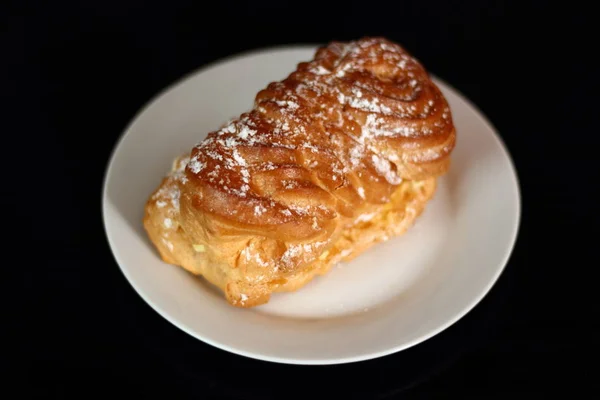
(292, 252)
(287, 103)
(376, 127)
(238, 158)
(320, 70)
(383, 168)
(250, 255)
(299, 209)
(356, 155)
(369, 105)
(174, 195)
(259, 210)
(246, 132)
(196, 166)
(168, 195)
(297, 252)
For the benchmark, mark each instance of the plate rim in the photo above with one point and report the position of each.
(484, 291)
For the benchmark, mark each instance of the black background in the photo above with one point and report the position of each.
(73, 74)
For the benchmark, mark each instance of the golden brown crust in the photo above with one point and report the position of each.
(267, 194)
(243, 267)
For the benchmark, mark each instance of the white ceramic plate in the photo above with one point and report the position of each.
(390, 298)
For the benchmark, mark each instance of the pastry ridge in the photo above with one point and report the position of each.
(282, 193)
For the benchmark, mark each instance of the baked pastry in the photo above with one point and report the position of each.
(340, 155)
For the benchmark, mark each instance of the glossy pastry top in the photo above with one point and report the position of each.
(322, 146)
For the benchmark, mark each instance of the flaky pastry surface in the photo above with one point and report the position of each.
(341, 154)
